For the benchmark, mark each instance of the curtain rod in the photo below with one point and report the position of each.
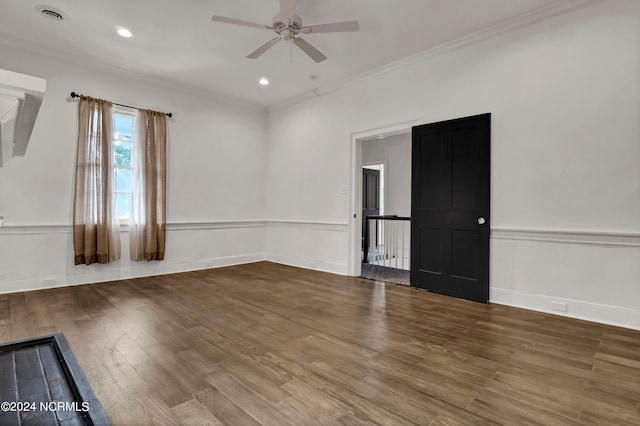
(76, 95)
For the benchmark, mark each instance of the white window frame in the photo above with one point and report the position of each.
(124, 220)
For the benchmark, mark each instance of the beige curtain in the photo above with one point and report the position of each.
(96, 231)
(147, 224)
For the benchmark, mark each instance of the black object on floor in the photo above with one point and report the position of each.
(41, 383)
(386, 274)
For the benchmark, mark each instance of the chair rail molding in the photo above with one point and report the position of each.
(323, 226)
(566, 236)
(34, 229)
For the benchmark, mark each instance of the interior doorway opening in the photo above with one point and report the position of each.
(385, 208)
(358, 141)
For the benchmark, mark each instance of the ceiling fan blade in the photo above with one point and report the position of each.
(335, 27)
(260, 50)
(288, 8)
(307, 48)
(239, 22)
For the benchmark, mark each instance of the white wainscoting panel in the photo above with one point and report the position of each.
(530, 268)
(321, 246)
(34, 257)
(594, 275)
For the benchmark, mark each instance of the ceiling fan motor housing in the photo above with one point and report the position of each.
(281, 22)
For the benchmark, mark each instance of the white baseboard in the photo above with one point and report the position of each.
(92, 277)
(605, 314)
(334, 268)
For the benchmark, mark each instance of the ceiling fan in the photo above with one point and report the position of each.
(288, 26)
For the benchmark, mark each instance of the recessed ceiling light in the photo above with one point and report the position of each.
(264, 81)
(51, 12)
(124, 32)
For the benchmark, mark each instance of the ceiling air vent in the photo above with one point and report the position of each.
(51, 12)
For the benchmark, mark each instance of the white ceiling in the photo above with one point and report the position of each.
(176, 41)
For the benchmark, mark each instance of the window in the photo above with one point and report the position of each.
(137, 141)
(124, 136)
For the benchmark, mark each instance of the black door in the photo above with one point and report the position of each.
(370, 199)
(450, 207)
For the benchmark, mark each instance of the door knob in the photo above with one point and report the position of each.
(481, 220)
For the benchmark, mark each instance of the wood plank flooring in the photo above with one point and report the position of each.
(267, 344)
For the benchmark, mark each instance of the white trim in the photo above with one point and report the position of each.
(385, 131)
(601, 238)
(539, 14)
(91, 277)
(184, 226)
(300, 262)
(35, 229)
(377, 136)
(324, 226)
(604, 314)
(171, 226)
(189, 226)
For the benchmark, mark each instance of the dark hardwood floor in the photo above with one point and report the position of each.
(270, 344)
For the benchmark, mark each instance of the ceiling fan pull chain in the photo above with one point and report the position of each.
(291, 51)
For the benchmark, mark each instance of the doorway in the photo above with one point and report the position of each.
(386, 205)
(358, 140)
(357, 161)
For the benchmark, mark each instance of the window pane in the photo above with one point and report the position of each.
(123, 202)
(123, 127)
(123, 153)
(123, 180)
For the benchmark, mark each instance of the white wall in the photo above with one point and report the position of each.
(216, 171)
(565, 99)
(395, 151)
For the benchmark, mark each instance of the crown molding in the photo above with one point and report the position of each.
(536, 15)
(66, 57)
